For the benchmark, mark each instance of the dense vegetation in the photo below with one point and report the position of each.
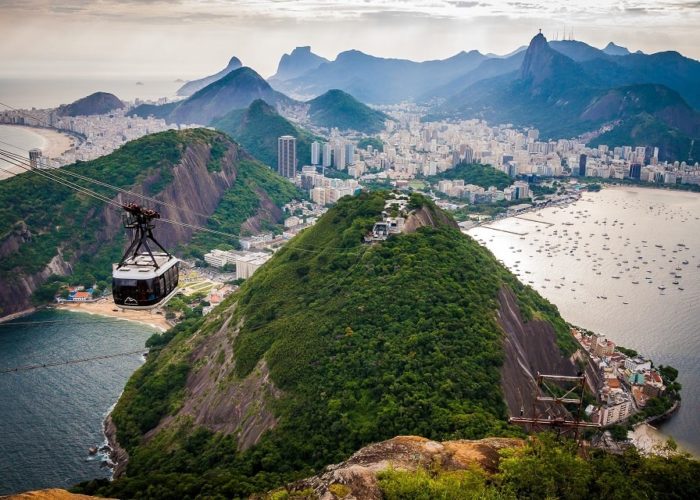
(365, 342)
(338, 109)
(477, 174)
(545, 468)
(647, 130)
(59, 218)
(257, 129)
(239, 203)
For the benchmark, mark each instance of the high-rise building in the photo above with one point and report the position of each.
(315, 153)
(35, 158)
(582, 165)
(327, 155)
(287, 156)
(339, 160)
(350, 153)
(636, 171)
(468, 155)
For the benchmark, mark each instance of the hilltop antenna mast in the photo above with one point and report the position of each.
(552, 404)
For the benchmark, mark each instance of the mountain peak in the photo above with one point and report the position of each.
(234, 63)
(615, 50)
(298, 62)
(538, 59)
(194, 86)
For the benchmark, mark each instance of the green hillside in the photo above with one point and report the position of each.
(477, 174)
(338, 109)
(361, 343)
(644, 130)
(257, 129)
(41, 218)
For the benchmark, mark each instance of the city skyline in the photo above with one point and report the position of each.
(190, 38)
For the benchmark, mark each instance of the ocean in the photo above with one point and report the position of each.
(18, 140)
(624, 262)
(50, 93)
(50, 417)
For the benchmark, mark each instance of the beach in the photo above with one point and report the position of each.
(106, 307)
(19, 139)
(56, 143)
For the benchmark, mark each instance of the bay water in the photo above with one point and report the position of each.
(50, 417)
(624, 262)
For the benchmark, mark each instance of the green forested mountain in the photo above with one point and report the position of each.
(331, 345)
(47, 229)
(477, 174)
(257, 128)
(338, 109)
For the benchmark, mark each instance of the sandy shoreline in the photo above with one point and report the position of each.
(56, 143)
(105, 307)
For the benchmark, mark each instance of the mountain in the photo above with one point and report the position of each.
(51, 235)
(562, 97)
(297, 63)
(546, 91)
(648, 115)
(615, 50)
(234, 91)
(543, 65)
(576, 50)
(98, 103)
(257, 128)
(671, 69)
(190, 88)
(339, 109)
(487, 69)
(358, 74)
(331, 345)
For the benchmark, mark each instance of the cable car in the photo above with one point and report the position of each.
(143, 279)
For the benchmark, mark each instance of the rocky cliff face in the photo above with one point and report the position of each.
(530, 348)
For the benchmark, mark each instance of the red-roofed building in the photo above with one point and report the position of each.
(81, 297)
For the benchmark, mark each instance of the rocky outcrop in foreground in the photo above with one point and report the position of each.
(358, 474)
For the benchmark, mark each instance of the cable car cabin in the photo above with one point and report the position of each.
(138, 284)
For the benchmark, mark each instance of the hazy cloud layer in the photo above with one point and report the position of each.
(190, 38)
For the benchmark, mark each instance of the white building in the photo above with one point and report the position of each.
(619, 407)
(248, 263)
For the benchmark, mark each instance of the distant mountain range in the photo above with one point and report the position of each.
(225, 100)
(378, 80)
(190, 88)
(555, 86)
(98, 103)
(564, 89)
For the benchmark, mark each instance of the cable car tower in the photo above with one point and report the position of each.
(549, 406)
(144, 278)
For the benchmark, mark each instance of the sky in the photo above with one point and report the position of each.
(193, 38)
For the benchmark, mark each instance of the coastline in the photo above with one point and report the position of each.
(55, 142)
(648, 437)
(18, 314)
(105, 308)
